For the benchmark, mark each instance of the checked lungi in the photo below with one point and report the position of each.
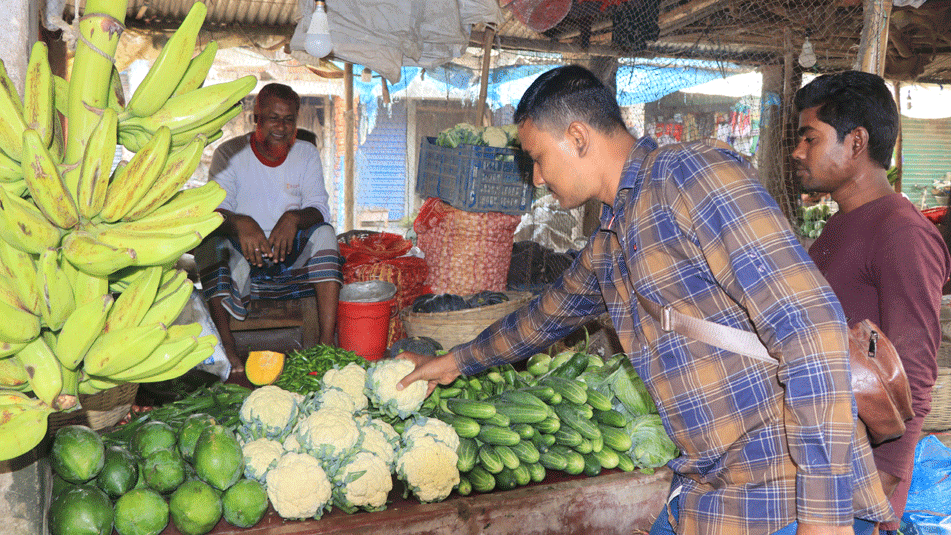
(225, 272)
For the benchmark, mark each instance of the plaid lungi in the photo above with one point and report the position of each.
(225, 272)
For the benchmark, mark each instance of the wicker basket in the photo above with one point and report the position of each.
(98, 411)
(459, 326)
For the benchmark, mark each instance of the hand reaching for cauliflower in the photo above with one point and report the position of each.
(433, 370)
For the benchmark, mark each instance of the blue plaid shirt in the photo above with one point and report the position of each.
(761, 445)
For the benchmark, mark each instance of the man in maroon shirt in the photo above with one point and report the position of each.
(885, 261)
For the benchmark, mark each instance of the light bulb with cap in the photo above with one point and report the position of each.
(317, 42)
(808, 56)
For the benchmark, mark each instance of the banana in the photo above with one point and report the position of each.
(163, 358)
(39, 108)
(21, 432)
(17, 188)
(60, 94)
(197, 70)
(12, 374)
(93, 257)
(9, 295)
(202, 350)
(93, 177)
(170, 65)
(186, 204)
(184, 112)
(178, 169)
(168, 308)
(69, 397)
(56, 294)
(17, 326)
(86, 287)
(58, 145)
(45, 182)
(10, 169)
(12, 124)
(119, 350)
(134, 302)
(135, 180)
(81, 330)
(203, 224)
(209, 128)
(19, 269)
(188, 330)
(94, 385)
(44, 370)
(23, 226)
(151, 248)
(7, 349)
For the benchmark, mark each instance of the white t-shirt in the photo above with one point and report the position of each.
(263, 192)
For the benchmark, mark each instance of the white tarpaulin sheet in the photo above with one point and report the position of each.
(387, 34)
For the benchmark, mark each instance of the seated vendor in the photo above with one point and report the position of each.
(275, 241)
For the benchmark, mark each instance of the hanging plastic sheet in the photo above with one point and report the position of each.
(928, 511)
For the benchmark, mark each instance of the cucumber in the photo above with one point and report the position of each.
(614, 438)
(574, 417)
(610, 417)
(465, 427)
(508, 457)
(518, 413)
(608, 458)
(568, 436)
(555, 399)
(538, 364)
(524, 430)
(467, 451)
(526, 452)
(597, 444)
(489, 459)
(533, 395)
(506, 480)
(481, 479)
(498, 419)
(464, 488)
(472, 408)
(549, 425)
(553, 460)
(537, 471)
(625, 462)
(592, 466)
(542, 442)
(495, 435)
(570, 389)
(598, 400)
(584, 446)
(573, 367)
(522, 475)
(574, 461)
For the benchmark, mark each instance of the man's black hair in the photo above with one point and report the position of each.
(278, 91)
(566, 94)
(850, 99)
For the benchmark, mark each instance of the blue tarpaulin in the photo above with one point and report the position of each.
(928, 511)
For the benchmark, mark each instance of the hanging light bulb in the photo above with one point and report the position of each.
(317, 42)
(366, 76)
(807, 58)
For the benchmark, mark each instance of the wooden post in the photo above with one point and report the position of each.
(487, 39)
(874, 42)
(349, 161)
(898, 141)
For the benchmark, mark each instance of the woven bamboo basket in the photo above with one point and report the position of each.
(98, 411)
(939, 419)
(459, 326)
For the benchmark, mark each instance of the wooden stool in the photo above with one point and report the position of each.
(271, 314)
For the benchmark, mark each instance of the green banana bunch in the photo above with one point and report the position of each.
(172, 63)
(134, 302)
(135, 180)
(23, 226)
(18, 269)
(18, 325)
(170, 300)
(197, 70)
(46, 184)
(93, 177)
(44, 370)
(80, 330)
(24, 423)
(57, 301)
(10, 169)
(39, 107)
(203, 349)
(91, 256)
(13, 375)
(119, 350)
(178, 169)
(12, 123)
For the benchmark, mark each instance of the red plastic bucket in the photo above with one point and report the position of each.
(363, 327)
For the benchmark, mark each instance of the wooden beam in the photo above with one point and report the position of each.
(349, 150)
(687, 13)
(487, 38)
(874, 43)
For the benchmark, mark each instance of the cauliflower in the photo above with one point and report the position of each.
(298, 487)
(430, 427)
(260, 456)
(269, 412)
(494, 136)
(291, 444)
(329, 435)
(429, 469)
(364, 482)
(378, 441)
(381, 388)
(511, 131)
(350, 379)
(336, 398)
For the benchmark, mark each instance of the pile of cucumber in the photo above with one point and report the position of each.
(515, 426)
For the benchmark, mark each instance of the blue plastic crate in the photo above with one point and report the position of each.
(475, 178)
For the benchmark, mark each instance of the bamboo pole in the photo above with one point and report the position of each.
(487, 39)
(898, 141)
(874, 43)
(349, 150)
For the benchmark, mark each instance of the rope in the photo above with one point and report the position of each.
(97, 50)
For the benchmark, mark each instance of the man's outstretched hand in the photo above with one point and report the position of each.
(434, 370)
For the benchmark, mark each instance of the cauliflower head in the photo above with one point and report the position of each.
(430, 427)
(260, 456)
(329, 434)
(363, 483)
(429, 469)
(336, 398)
(269, 412)
(298, 487)
(350, 379)
(381, 388)
(291, 444)
(383, 445)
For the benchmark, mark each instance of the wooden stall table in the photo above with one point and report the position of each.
(611, 503)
